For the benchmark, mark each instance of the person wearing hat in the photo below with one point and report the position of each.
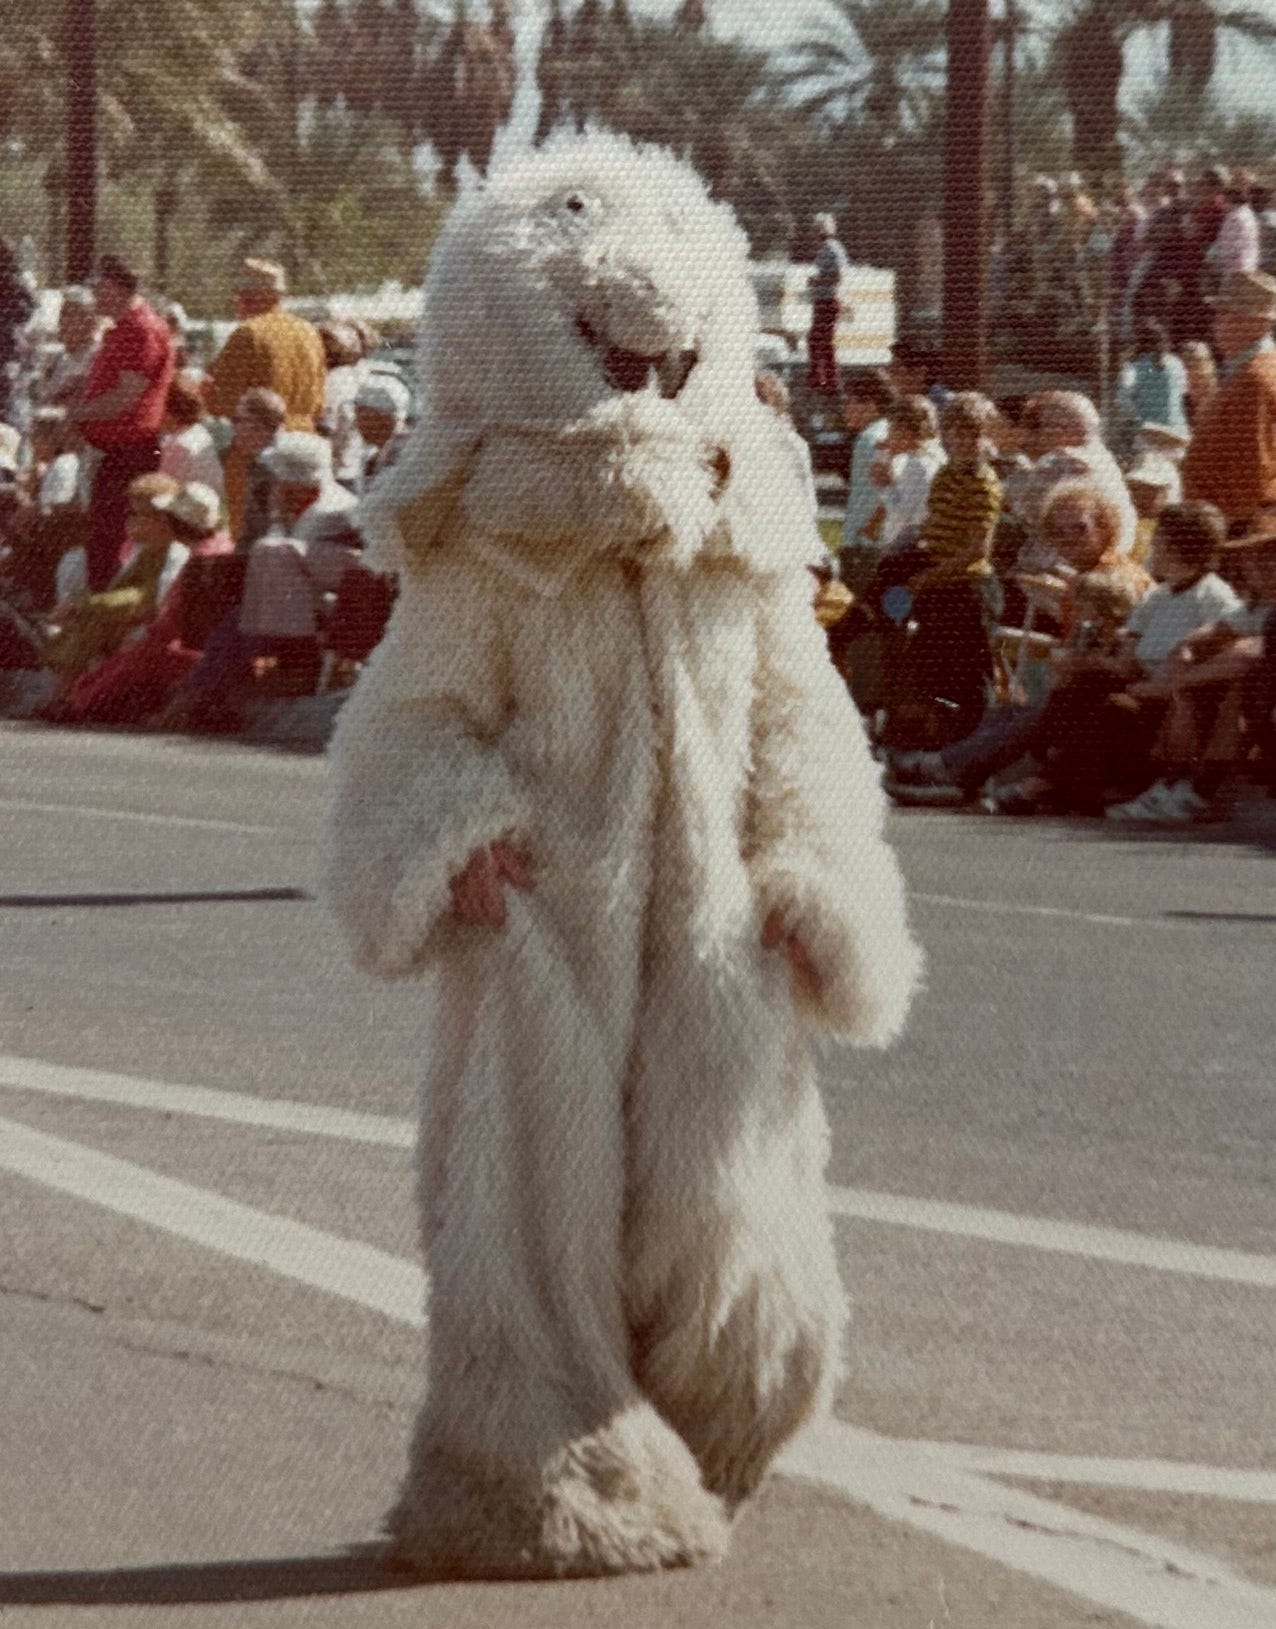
(1152, 482)
(825, 289)
(381, 406)
(271, 347)
(121, 411)
(1232, 459)
(85, 630)
(144, 672)
(301, 558)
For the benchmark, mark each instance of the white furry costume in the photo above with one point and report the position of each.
(604, 645)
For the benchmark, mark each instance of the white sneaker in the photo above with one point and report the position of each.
(1149, 805)
(1162, 805)
(1182, 805)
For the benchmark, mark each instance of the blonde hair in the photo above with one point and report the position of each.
(1097, 501)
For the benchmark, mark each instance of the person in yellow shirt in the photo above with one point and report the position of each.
(271, 348)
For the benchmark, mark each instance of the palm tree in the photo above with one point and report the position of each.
(879, 58)
(1089, 57)
(162, 76)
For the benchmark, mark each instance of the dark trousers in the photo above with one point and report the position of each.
(108, 505)
(822, 360)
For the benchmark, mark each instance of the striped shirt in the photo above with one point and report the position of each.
(962, 513)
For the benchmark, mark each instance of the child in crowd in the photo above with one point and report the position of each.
(935, 599)
(1152, 483)
(904, 466)
(868, 396)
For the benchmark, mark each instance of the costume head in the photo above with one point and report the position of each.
(590, 303)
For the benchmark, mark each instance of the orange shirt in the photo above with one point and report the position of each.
(276, 349)
(1232, 459)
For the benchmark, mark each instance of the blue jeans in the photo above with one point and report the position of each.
(1004, 735)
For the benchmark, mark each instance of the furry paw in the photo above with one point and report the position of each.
(628, 1498)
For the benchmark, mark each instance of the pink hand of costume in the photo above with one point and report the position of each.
(478, 892)
(775, 934)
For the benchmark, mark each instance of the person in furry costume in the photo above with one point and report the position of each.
(602, 789)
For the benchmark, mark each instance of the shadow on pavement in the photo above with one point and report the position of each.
(210, 896)
(358, 1571)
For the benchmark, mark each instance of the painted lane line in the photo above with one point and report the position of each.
(1153, 1580)
(1001, 907)
(238, 1108)
(141, 817)
(341, 1267)
(1064, 1238)
(1141, 1475)
(1156, 1583)
(1082, 1239)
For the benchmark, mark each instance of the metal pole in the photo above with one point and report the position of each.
(966, 144)
(81, 138)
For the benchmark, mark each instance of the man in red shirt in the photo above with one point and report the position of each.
(122, 409)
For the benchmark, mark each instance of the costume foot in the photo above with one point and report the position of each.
(628, 1498)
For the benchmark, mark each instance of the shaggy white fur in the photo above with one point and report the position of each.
(604, 645)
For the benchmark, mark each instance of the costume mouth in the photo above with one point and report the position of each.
(631, 370)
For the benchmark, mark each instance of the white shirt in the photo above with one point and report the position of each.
(1236, 248)
(1164, 618)
(191, 455)
(339, 391)
(863, 499)
(60, 483)
(904, 500)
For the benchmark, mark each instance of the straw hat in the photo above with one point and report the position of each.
(195, 505)
(299, 458)
(1247, 294)
(262, 277)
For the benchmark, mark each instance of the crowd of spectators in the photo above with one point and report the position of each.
(176, 539)
(1033, 605)
(1050, 612)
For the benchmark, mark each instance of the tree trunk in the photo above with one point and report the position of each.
(167, 197)
(1194, 47)
(1093, 63)
(965, 229)
(81, 138)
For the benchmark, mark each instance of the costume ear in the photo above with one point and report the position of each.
(407, 511)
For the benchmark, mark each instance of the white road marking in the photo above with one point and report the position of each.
(1139, 1475)
(1066, 1238)
(1155, 1582)
(356, 1272)
(1003, 907)
(239, 1108)
(141, 817)
(1093, 1243)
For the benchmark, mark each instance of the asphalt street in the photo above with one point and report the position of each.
(1055, 1202)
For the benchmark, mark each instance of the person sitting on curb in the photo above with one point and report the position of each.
(1082, 525)
(289, 571)
(1219, 688)
(84, 630)
(139, 677)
